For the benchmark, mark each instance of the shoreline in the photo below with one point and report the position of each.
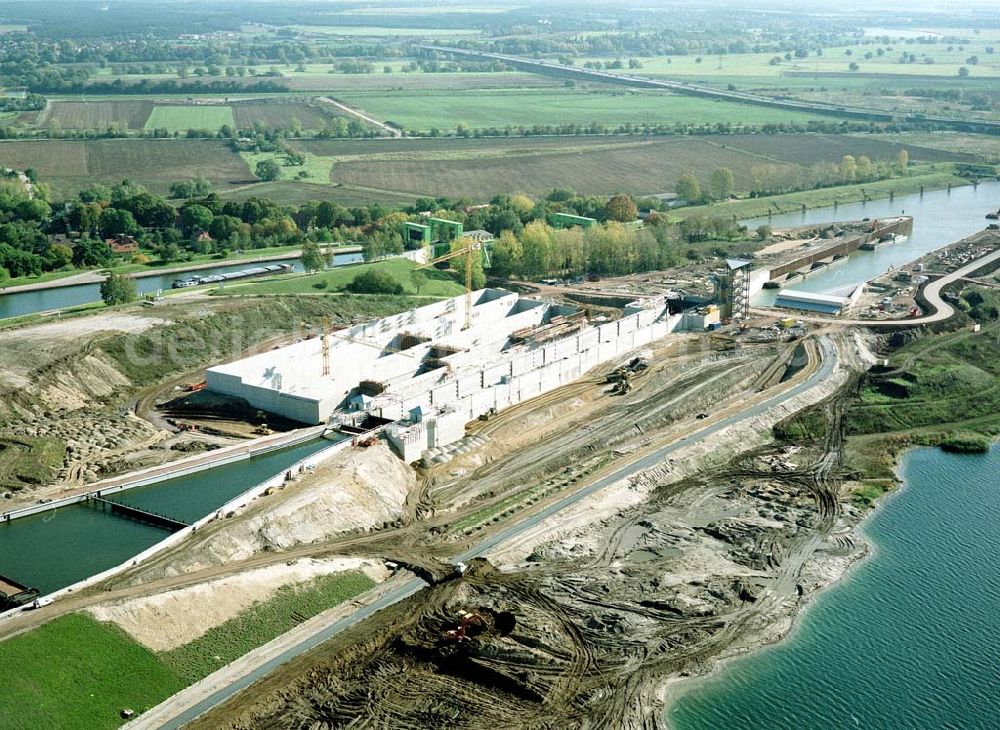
(852, 194)
(784, 627)
(94, 276)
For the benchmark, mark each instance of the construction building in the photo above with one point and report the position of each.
(734, 288)
(437, 233)
(814, 301)
(426, 373)
(568, 220)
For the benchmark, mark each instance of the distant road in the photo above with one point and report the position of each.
(558, 69)
(202, 697)
(361, 115)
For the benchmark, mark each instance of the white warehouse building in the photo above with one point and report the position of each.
(422, 369)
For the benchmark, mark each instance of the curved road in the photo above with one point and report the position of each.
(198, 699)
(932, 292)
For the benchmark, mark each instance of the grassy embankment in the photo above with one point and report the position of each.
(438, 283)
(939, 389)
(27, 460)
(931, 177)
(76, 673)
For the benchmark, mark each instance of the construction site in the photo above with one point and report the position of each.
(431, 370)
(567, 499)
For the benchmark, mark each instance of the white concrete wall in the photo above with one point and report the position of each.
(473, 386)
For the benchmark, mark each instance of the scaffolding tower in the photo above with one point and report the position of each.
(735, 294)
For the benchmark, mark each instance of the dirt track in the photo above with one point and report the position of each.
(606, 611)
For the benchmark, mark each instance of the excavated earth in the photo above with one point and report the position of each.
(586, 621)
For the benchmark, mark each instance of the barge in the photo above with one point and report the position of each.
(256, 271)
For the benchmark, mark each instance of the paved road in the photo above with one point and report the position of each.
(932, 292)
(193, 702)
(699, 90)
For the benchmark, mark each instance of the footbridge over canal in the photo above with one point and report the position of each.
(134, 513)
(70, 543)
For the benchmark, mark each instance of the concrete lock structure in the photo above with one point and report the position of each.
(422, 371)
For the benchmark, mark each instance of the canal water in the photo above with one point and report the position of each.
(42, 300)
(940, 217)
(910, 639)
(55, 549)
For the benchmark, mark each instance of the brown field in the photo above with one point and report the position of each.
(69, 166)
(642, 167)
(129, 114)
(278, 113)
(294, 192)
(984, 146)
(481, 168)
(808, 149)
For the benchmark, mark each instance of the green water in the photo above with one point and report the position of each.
(55, 549)
(910, 639)
(191, 497)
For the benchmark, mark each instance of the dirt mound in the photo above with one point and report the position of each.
(360, 489)
(167, 620)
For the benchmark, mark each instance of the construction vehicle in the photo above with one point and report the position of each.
(623, 372)
(622, 387)
(472, 624)
(467, 251)
(488, 415)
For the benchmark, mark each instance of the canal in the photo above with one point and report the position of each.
(940, 217)
(52, 550)
(19, 304)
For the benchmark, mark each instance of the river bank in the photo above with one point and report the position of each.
(954, 392)
(831, 197)
(932, 656)
(96, 276)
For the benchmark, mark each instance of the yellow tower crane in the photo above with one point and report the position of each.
(468, 250)
(326, 346)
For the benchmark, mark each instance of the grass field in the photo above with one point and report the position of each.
(77, 674)
(255, 627)
(373, 31)
(497, 108)
(316, 169)
(69, 166)
(834, 60)
(438, 284)
(184, 117)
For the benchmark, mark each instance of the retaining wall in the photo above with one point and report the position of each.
(237, 502)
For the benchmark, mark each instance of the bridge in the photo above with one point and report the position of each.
(134, 513)
(682, 87)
